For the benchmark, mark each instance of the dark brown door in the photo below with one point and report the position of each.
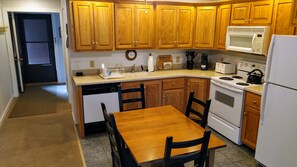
(37, 47)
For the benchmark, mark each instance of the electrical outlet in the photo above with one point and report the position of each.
(177, 60)
(92, 63)
(76, 64)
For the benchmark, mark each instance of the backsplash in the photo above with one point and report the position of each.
(91, 61)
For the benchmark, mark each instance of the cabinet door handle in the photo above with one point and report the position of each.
(244, 113)
(173, 83)
(250, 20)
(246, 20)
(196, 41)
(254, 102)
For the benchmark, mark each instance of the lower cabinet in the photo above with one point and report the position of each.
(173, 93)
(200, 86)
(251, 117)
(152, 91)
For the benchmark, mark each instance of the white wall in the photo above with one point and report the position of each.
(6, 89)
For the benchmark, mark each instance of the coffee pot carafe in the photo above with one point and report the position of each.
(190, 59)
(204, 61)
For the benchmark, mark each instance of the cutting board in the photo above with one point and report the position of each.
(161, 59)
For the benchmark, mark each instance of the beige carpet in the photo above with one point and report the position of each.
(47, 140)
(39, 100)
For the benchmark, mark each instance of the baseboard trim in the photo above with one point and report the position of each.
(8, 109)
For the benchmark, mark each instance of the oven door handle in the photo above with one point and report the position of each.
(225, 87)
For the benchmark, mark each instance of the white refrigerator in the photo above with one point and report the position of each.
(277, 136)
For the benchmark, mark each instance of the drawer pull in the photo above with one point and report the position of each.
(254, 102)
(173, 83)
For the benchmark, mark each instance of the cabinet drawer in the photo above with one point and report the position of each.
(253, 100)
(173, 83)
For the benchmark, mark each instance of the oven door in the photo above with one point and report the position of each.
(226, 102)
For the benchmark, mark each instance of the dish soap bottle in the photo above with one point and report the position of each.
(150, 64)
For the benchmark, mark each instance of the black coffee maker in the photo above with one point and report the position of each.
(190, 59)
(204, 61)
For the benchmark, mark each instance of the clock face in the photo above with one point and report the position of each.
(131, 55)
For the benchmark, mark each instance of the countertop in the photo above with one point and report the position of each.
(255, 89)
(137, 76)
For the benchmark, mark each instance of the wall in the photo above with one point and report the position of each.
(81, 60)
(6, 89)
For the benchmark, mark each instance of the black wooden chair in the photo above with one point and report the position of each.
(121, 157)
(122, 101)
(179, 160)
(201, 116)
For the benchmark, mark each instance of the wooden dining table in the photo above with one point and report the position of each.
(144, 132)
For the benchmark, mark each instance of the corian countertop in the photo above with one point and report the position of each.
(138, 76)
(255, 89)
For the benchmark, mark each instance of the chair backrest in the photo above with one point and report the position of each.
(202, 115)
(114, 139)
(199, 156)
(125, 100)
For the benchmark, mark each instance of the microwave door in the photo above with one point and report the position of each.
(240, 42)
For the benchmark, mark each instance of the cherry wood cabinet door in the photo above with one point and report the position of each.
(144, 26)
(153, 93)
(83, 25)
(185, 26)
(174, 97)
(166, 26)
(103, 25)
(200, 87)
(205, 26)
(124, 23)
(223, 21)
(294, 13)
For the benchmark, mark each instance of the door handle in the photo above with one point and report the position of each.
(46, 65)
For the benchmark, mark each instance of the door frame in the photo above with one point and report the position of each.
(10, 47)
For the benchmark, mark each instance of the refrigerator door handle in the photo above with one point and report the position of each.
(263, 99)
(269, 59)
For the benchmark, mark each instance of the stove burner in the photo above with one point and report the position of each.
(242, 84)
(226, 78)
(237, 77)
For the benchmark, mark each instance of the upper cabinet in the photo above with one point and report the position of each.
(281, 24)
(175, 26)
(93, 25)
(294, 13)
(134, 26)
(253, 13)
(205, 26)
(223, 21)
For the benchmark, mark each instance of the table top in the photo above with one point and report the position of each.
(144, 132)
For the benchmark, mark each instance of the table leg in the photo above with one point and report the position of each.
(211, 156)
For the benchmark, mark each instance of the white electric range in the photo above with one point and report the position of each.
(227, 95)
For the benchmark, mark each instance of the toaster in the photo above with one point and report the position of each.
(225, 68)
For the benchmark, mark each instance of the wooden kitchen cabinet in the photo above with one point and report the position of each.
(205, 26)
(253, 13)
(294, 13)
(152, 91)
(280, 22)
(175, 26)
(251, 117)
(134, 26)
(93, 25)
(223, 21)
(200, 86)
(173, 93)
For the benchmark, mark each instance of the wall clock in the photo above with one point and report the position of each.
(131, 55)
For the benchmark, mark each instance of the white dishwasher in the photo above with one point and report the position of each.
(93, 95)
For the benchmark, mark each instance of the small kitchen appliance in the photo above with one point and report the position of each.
(204, 61)
(190, 59)
(225, 68)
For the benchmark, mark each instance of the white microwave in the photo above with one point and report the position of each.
(248, 39)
